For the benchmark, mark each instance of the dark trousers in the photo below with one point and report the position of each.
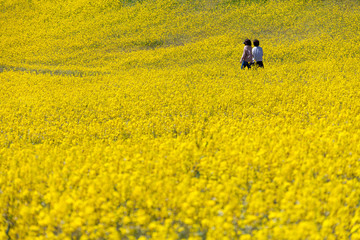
(259, 64)
(245, 64)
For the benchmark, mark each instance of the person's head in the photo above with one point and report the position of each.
(247, 42)
(256, 42)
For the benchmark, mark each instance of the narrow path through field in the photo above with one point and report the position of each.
(75, 73)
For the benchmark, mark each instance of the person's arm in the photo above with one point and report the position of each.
(252, 56)
(243, 55)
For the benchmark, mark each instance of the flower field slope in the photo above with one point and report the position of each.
(132, 120)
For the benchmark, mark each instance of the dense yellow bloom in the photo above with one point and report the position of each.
(133, 120)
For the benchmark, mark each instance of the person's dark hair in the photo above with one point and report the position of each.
(256, 42)
(247, 42)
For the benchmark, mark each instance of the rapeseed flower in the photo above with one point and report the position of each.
(132, 120)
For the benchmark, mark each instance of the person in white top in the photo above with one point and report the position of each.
(257, 53)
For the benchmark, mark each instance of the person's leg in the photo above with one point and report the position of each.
(243, 64)
(260, 64)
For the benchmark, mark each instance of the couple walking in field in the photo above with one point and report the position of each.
(252, 56)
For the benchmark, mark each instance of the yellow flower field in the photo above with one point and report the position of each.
(132, 120)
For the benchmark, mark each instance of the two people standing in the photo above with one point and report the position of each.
(251, 55)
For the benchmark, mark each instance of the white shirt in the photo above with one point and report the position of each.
(257, 52)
